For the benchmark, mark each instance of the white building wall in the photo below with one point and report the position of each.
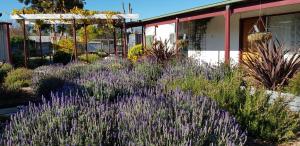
(214, 51)
(150, 31)
(165, 32)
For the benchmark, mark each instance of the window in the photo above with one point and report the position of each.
(286, 28)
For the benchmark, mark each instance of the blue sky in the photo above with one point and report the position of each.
(146, 8)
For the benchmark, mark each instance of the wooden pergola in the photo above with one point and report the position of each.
(73, 19)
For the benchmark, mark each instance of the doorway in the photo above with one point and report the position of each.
(246, 28)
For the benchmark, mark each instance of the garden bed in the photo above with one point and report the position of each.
(134, 100)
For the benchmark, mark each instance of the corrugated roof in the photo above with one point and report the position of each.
(223, 3)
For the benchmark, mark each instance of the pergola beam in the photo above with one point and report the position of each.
(72, 20)
(71, 16)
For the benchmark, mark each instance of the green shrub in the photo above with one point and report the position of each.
(49, 84)
(62, 57)
(262, 117)
(91, 58)
(18, 78)
(102, 54)
(18, 59)
(35, 62)
(135, 52)
(294, 85)
(65, 45)
(4, 69)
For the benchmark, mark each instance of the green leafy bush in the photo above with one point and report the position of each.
(102, 54)
(18, 59)
(18, 78)
(65, 45)
(262, 117)
(35, 62)
(48, 85)
(4, 69)
(135, 52)
(90, 58)
(294, 85)
(62, 57)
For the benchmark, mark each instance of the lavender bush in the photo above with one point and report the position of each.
(150, 119)
(264, 118)
(117, 103)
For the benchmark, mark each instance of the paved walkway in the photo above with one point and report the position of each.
(9, 111)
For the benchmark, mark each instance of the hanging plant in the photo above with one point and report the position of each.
(256, 36)
(260, 36)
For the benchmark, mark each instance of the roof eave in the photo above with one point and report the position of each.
(219, 4)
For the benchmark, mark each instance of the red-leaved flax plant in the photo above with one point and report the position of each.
(161, 51)
(271, 64)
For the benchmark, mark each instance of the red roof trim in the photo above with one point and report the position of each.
(266, 5)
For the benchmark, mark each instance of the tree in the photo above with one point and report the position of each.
(92, 33)
(56, 6)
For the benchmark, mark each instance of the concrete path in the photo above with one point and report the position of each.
(9, 111)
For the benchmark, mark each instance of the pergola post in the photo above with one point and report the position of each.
(8, 44)
(177, 35)
(115, 43)
(227, 34)
(85, 42)
(75, 39)
(25, 45)
(122, 41)
(124, 38)
(40, 43)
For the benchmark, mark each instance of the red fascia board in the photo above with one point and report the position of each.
(160, 23)
(202, 16)
(266, 5)
(190, 18)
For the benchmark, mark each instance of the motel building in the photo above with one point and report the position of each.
(219, 32)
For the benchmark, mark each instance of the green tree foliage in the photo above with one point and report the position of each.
(53, 5)
(92, 33)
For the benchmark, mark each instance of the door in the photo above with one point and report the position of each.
(247, 28)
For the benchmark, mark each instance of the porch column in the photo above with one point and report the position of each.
(142, 41)
(227, 34)
(155, 30)
(177, 35)
(74, 39)
(8, 44)
(25, 45)
(145, 38)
